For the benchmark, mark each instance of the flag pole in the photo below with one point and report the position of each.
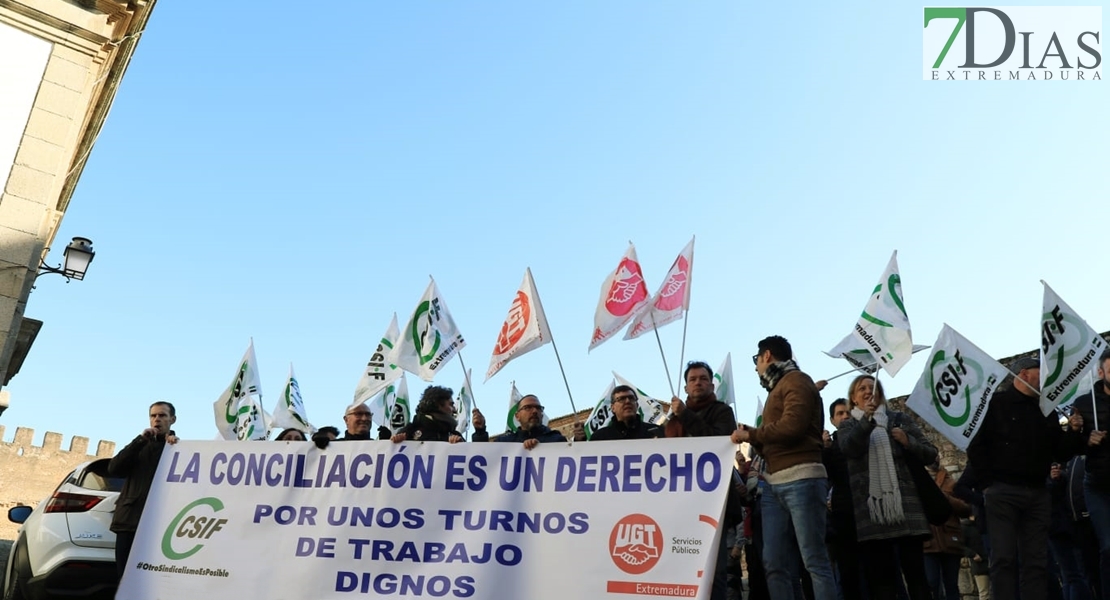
(466, 377)
(1094, 406)
(558, 359)
(659, 341)
(682, 352)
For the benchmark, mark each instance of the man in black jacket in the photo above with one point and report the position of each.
(1011, 455)
(138, 461)
(626, 423)
(1096, 484)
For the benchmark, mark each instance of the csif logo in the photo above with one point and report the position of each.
(635, 544)
(1023, 43)
(197, 521)
(951, 379)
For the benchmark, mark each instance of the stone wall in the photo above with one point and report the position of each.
(30, 473)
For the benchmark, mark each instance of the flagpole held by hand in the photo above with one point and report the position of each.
(666, 370)
(466, 376)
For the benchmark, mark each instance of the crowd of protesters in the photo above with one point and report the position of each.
(864, 512)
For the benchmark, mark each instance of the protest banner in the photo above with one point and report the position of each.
(362, 519)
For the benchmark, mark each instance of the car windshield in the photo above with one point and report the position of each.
(95, 477)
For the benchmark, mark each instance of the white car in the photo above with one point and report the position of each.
(64, 548)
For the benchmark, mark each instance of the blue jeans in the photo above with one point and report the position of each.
(1098, 506)
(943, 572)
(1070, 565)
(794, 518)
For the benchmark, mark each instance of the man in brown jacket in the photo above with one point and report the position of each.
(793, 503)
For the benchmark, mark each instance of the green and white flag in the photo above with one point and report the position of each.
(238, 411)
(758, 411)
(464, 403)
(1069, 347)
(652, 410)
(379, 371)
(430, 338)
(602, 413)
(955, 390)
(722, 381)
(856, 353)
(290, 411)
(884, 328)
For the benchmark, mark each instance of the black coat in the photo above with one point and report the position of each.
(619, 430)
(138, 461)
(540, 432)
(1098, 457)
(427, 428)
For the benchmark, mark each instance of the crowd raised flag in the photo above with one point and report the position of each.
(623, 296)
(1069, 347)
(652, 410)
(380, 371)
(758, 411)
(883, 327)
(290, 411)
(855, 352)
(524, 329)
(391, 406)
(954, 392)
(671, 301)
(723, 383)
(430, 338)
(602, 412)
(238, 411)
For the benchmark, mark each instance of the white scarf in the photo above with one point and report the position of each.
(884, 497)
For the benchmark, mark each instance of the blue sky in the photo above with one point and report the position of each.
(295, 175)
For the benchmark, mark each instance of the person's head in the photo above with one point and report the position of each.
(529, 412)
(699, 380)
(330, 431)
(1104, 367)
(626, 405)
(772, 349)
(162, 417)
(838, 411)
(357, 418)
(291, 434)
(436, 400)
(1027, 375)
(865, 393)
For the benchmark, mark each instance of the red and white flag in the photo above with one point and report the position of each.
(524, 330)
(673, 297)
(623, 296)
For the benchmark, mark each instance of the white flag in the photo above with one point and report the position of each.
(884, 328)
(400, 413)
(623, 296)
(430, 338)
(524, 330)
(652, 410)
(464, 403)
(238, 411)
(602, 413)
(379, 371)
(673, 297)
(1068, 348)
(290, 411)
(722, 380)
(758, 411)
(856, 353)
(954, 392)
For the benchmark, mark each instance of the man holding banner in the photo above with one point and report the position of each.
(626, 423)
(1011, 455)
(532, 430)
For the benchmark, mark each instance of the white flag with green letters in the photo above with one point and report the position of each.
(1069, 347)
(954, 392)
(430, 338)
(379, 371)
(883, 327)
(290, 411)
(238, 412)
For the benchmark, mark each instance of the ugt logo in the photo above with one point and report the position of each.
(197, 521)
(1013, 42)
(636, 543)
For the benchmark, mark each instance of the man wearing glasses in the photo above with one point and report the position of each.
(626, 423)
(532, 432)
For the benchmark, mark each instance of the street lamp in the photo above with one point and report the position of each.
(78, 254)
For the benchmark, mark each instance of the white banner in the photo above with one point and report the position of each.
(1068, 348)
(286, 520)
(955, 390)
(883, 327)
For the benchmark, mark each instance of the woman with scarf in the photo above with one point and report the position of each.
(890, 523)
(435, 418)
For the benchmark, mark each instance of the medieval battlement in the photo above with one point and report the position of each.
(28, 473)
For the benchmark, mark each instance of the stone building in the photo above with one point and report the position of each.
(62, 63)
